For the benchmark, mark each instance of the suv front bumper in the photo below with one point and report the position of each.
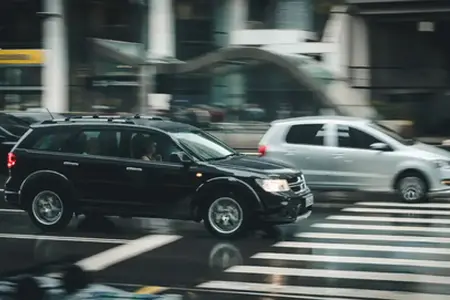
(292, 209)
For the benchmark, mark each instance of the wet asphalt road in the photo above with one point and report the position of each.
(356, 248)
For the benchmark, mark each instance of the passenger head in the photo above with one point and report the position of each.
(150, 146)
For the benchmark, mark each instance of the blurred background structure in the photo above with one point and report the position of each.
(244, 62)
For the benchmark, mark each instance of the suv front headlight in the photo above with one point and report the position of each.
(440, 163)
(274, 185)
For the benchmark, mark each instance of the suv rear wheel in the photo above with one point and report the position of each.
(226, 216)
(49, 209)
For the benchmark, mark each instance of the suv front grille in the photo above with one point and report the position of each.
(297, 184)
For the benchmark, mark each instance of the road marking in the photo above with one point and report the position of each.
(126, 251)
(341, 274)
(374, 237)
(397, 211)
(62, 238)
(319, 291)
(399, 204)
(389, 219)
(382, 227)
(150, 290)
(354, 260)
(363, 247)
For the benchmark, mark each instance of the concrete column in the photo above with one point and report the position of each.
(160, 44)
(161, 37)
(55, 72)
(230, 15)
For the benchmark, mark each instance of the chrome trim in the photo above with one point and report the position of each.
(11, 192)
(300, 183)
(38, 172)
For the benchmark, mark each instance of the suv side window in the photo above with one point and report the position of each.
(103, 142)
(306, 134)
(150, 146)
(51, 142)
(349, 137)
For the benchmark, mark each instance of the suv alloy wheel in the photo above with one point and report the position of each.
(226, 217)
(48, 210)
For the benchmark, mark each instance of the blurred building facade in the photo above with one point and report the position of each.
(394, 55)
(75, 75)
(408, 50)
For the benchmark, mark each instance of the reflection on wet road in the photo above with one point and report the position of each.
(360, 250)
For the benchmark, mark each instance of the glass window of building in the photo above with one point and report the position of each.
(20, 25)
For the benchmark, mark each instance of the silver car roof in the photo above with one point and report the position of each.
(328, 119)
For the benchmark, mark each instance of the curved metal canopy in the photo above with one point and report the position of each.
(305, 70)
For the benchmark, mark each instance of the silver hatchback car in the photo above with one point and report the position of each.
(345, 153)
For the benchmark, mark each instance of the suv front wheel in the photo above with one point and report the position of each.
(49, 209)
(226, 216)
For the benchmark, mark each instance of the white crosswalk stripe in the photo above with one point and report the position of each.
(400, 251)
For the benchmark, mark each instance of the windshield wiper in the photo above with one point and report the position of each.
(222, 157)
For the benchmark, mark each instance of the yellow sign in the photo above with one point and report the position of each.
(21, 57)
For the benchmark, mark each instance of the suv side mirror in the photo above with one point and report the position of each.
(380, 147)
(180, 157)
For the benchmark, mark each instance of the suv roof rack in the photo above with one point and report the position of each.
(109, 118)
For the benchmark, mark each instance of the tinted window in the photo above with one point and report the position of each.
(306, 134)
(349, 137)
(95, 142)
(52, 142)
(150, 146)
(13, 125)
(203, 145)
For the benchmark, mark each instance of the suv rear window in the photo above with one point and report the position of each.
(306, 134)
(52, 141)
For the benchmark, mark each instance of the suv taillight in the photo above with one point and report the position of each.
(11, 160)
(262, 150)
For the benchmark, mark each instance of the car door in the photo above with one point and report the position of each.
(306, 147)
(92, 157)
(160, 186)
(359, 166)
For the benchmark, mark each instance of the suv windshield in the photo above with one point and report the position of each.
(204, 146)
(393, 134)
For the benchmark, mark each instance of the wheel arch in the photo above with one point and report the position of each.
(227, 184)
(44, 177)
(406, 171)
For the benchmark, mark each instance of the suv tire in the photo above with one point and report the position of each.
(412, 188)
(226, 216)
(50, 209)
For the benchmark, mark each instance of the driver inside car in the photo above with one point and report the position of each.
(150, 151)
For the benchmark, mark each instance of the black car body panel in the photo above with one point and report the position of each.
(129, 187)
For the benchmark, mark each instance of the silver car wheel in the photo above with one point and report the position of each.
(47, 208)
(225, 215)
(412, 188)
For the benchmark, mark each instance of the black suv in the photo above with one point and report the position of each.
(142, 167)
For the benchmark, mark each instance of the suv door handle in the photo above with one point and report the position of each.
(338, 155)
(70, 163)
(134, 169)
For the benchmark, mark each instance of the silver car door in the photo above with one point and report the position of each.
(361, 167)
(305, 148)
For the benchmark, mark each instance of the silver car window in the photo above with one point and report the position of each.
(350, 137)
(306, 134)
